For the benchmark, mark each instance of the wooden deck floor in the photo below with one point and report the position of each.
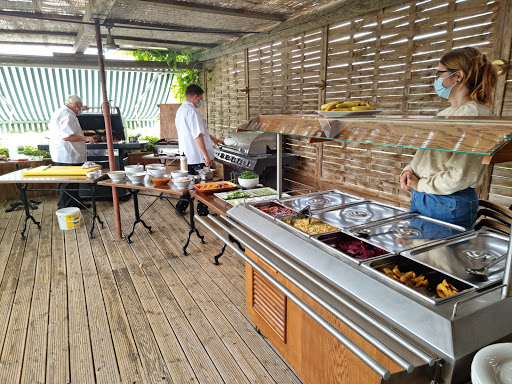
(81, 310)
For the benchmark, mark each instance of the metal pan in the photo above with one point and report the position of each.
(434, 277)
(338, 244)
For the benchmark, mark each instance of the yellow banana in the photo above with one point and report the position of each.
(330, 105)
(363, 108)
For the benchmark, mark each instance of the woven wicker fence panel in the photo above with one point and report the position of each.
(388, 57)
(283, 76)
(225, 101)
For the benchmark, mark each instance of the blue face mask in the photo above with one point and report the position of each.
(441, 90)
(199, 104)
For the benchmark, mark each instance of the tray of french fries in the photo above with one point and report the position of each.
(423, 281)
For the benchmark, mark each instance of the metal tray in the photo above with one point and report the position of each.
(282, 222)
(398, 234)
(330, 241)
(359, 214)
(321, 200)
(434, 277)
(473, 250)
(269, 204)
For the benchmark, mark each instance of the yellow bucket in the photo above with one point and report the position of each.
(69, 218)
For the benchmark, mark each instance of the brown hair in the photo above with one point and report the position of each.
(479, 74)
(193, 90)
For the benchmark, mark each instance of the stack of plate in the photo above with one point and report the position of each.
(493, 365)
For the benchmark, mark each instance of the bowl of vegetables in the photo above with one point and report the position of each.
(248, 179)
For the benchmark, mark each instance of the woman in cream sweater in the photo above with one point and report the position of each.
(443, 183)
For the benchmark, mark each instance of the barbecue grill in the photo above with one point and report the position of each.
(252, 151)
(168, 147)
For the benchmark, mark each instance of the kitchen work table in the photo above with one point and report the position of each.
(169, 189)
(22, 181)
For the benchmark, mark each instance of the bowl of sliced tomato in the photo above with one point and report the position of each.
(219, 186)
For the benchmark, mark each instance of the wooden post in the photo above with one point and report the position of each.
(108, 127)
(246, 75)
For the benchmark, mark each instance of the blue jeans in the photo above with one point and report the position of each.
(459, 208)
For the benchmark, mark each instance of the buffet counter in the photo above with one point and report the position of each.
(338, 318)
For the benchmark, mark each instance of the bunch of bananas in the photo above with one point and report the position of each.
(356, 105)
(445, 289)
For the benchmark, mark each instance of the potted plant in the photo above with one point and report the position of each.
(248, 179)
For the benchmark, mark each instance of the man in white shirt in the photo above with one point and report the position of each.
(193, 136)
(68, 146)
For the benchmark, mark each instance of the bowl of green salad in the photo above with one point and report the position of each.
(248, 180)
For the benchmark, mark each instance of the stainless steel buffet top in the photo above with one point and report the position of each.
(438, 326)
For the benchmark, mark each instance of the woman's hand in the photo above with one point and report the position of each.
(403, 180)
(412, 182)
(217, 141)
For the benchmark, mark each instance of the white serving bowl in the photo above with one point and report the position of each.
(176, 174)
(155, 170)
(492, 364)
(133, 168)
(249, 183)
(94, 174)
(182, 182)
(136, 178)
(116, 176)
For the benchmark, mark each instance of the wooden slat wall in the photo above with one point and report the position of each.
(387, 57)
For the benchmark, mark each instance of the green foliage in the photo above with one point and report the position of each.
(4, 151)
(33, 151)
(152, 140)
(172, 58)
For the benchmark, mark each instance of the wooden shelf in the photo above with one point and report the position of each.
(485, 136)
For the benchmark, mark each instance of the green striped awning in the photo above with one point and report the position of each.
(28, 95)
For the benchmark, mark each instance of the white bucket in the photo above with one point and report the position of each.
(69, 218)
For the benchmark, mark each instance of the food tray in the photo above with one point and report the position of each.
(335, 242)
(321, 200)
(398, 234)
(359, 214)
(218, 186)
(256, 195)
(340, 114)
(272, 209)
(473, 250)
(315, 226)
(434, 277)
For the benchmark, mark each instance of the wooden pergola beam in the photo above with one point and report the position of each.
(96, 9)
(88, 62)
(120, 23)
(195, 7)
(116, 37)
(334, 13)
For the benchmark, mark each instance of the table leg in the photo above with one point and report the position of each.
(233, 240)
(23, 192)
(191, 224)
(137, 215)
(95, 216)
(31, 203)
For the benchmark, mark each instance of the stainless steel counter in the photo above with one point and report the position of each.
(451, 331)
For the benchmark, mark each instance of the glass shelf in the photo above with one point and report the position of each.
(472, 135)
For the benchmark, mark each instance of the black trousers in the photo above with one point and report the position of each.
(71, 188)
(192, 168)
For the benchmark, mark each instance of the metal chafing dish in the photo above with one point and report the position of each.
(398, 234)
(417, 329)
(321, 200)
(358, 214)
(434, 277)
(473, 250)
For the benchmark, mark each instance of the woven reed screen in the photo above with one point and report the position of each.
(387, 57)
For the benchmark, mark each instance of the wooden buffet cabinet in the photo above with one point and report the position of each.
(313, 353)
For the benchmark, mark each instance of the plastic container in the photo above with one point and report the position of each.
(69, 218)
(183, 163)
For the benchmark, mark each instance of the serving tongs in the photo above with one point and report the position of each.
(484, 271)
(304, 212)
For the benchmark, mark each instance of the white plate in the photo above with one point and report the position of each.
(493, 364)
(338, 114)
